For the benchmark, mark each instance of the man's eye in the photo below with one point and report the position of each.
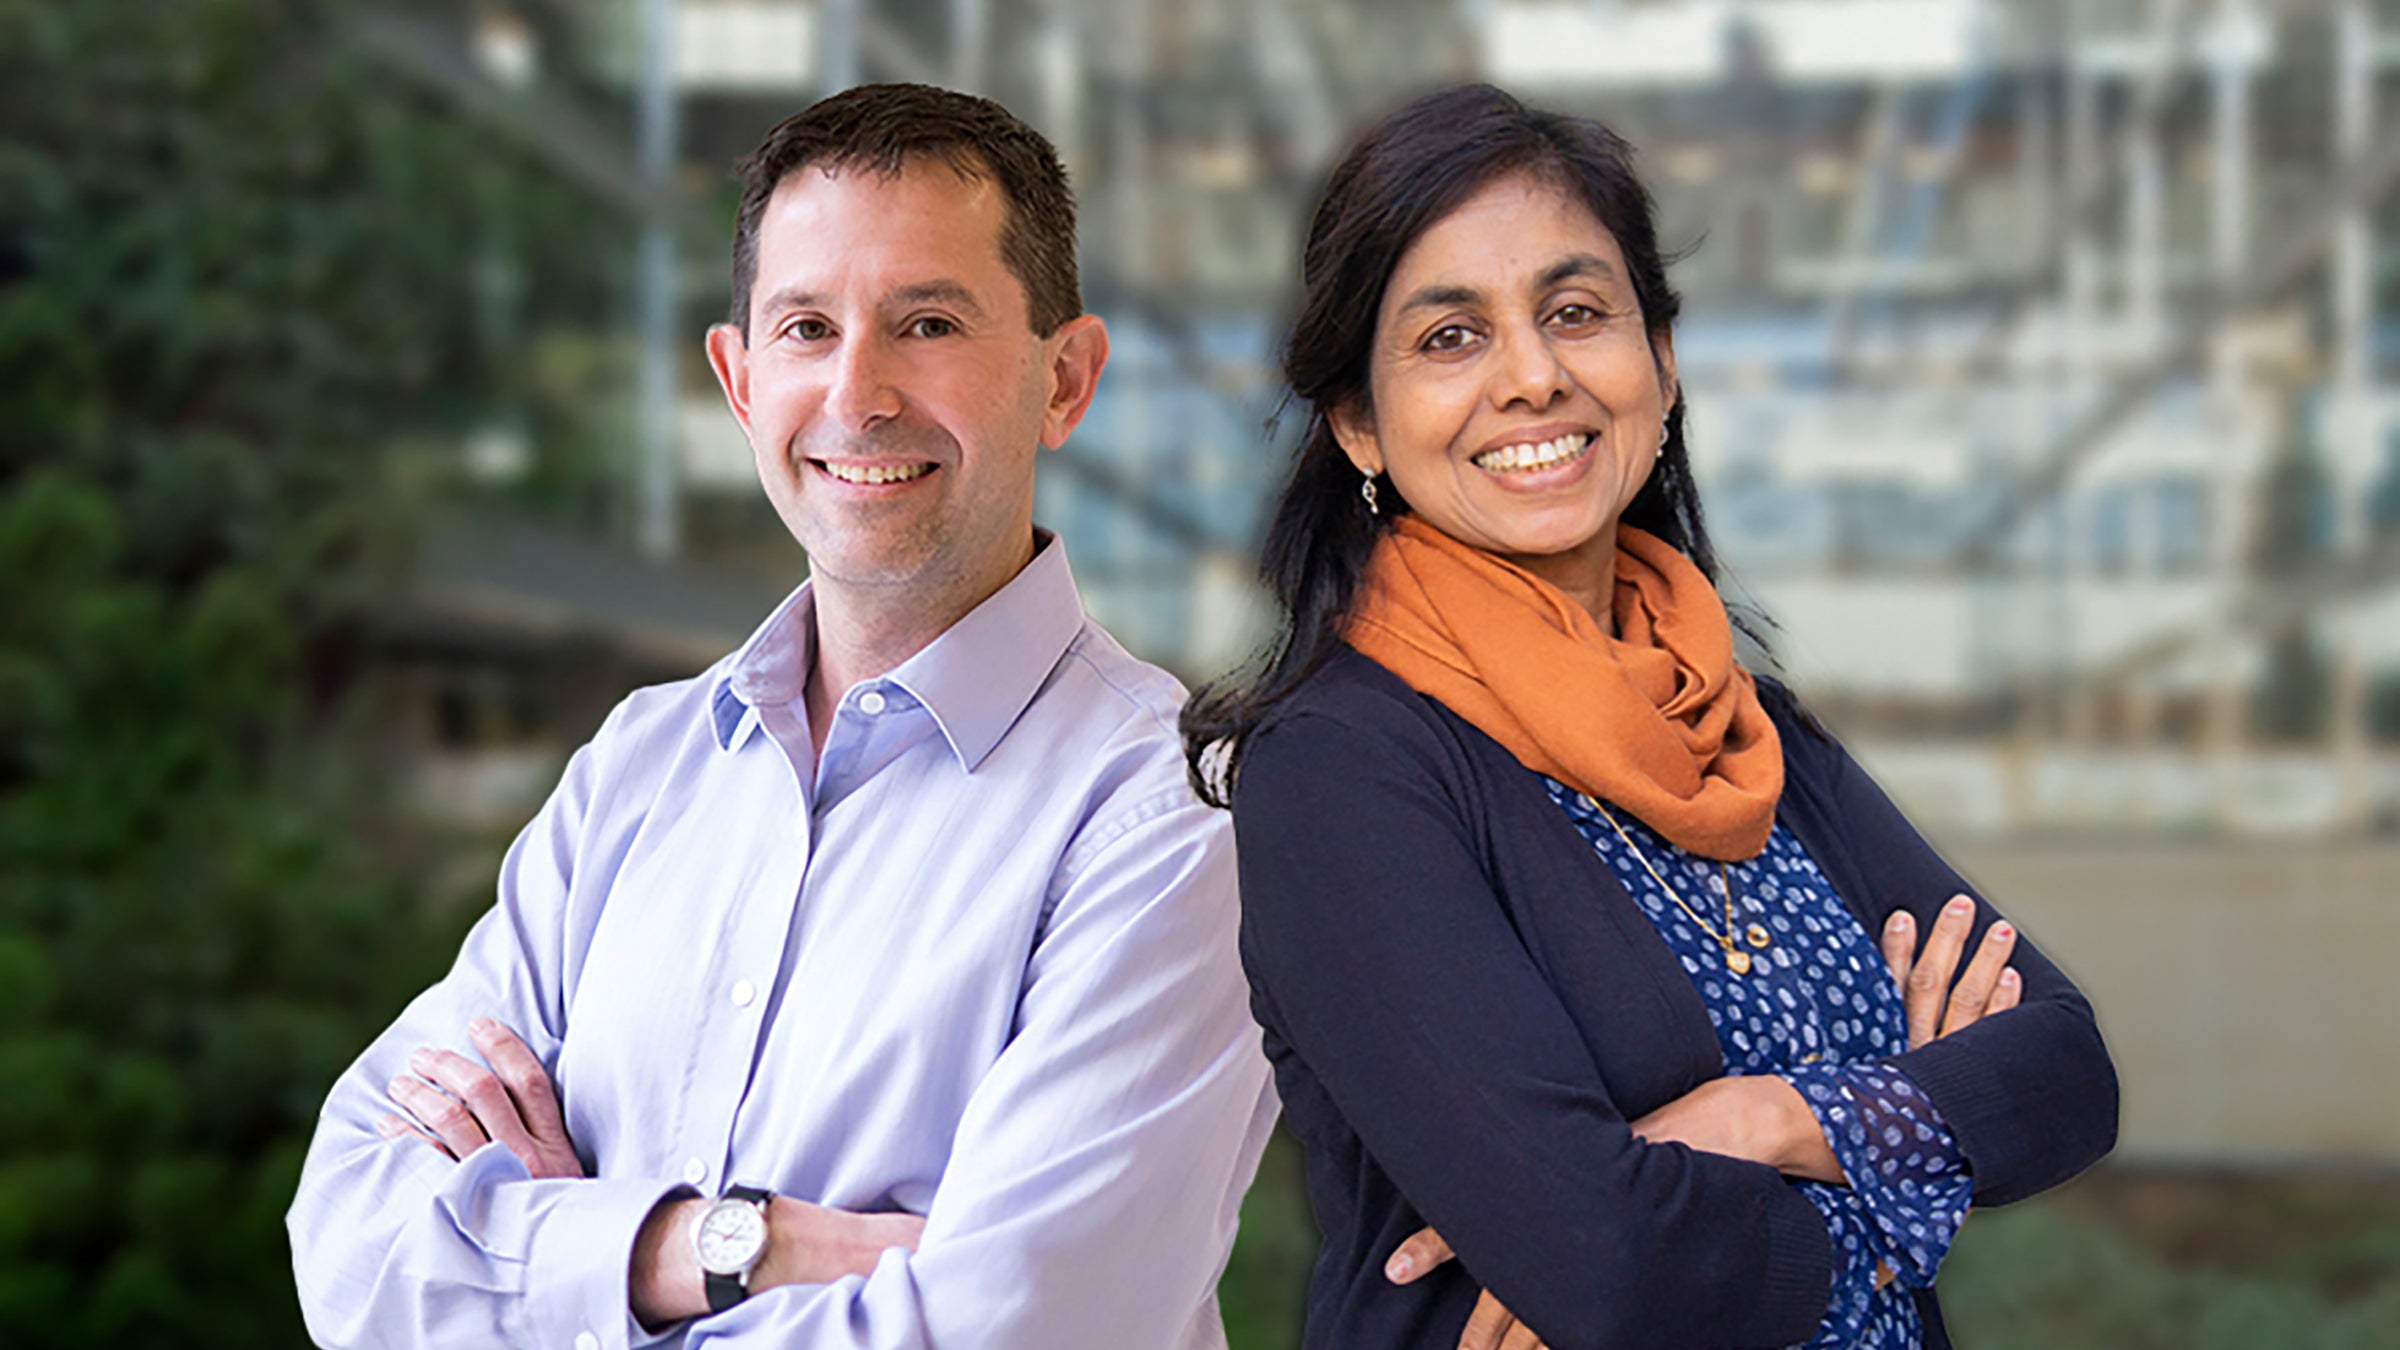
(811, 330)
(932, 326)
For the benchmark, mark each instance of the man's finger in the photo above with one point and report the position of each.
(1486, 1325)
(439, 1113)
(1928, 986)
(1900, 944)
(393, 1126)
(480, 1089)
(1968, 1001)
(521, 1072)
(1420, 1253)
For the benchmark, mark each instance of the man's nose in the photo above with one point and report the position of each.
(865, 391)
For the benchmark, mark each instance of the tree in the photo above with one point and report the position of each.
(238, 337)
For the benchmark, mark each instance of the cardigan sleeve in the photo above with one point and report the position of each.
(1377, 942)
(2029, 1094)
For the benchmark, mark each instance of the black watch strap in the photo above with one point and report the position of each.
(726, 1290)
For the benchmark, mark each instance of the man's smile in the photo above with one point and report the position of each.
(874, 473)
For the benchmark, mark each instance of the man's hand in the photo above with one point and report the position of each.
(806, 1244)
(457, 1105)
(1989, 986)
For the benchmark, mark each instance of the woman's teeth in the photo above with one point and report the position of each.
(1524, 458)
(877, 473)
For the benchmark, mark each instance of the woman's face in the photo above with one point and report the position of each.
(1516, 396)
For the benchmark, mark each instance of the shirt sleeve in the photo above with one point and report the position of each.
(1851, 1306)
(1394, 971)
(1905, 1170)
(1098, 1171)
(393, 1244)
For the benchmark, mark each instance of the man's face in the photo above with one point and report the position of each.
(892, 389)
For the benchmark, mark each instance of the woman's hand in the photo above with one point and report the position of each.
(1989, 986)
(1491, 1326)
(1758, 1117)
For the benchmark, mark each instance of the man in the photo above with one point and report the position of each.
(903, 909)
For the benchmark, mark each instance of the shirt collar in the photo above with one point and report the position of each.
(975, 678)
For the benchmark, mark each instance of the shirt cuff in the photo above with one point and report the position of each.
(1903, 1165)
(578, 1264)
(1851, 1303)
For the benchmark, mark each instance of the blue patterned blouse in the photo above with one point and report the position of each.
(1817, 1005)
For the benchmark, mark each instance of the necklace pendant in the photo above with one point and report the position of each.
(1757, 933)
(1737, 961)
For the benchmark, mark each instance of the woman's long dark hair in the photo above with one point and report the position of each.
(1404, 175)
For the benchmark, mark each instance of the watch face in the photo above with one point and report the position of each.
(730, 1236)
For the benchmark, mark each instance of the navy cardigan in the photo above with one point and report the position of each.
(1464, 1008)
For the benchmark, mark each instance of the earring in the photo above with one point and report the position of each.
(1366, 492)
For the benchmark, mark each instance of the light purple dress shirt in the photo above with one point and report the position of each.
(976, 962)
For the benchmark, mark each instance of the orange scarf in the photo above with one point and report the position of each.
(1658, 719)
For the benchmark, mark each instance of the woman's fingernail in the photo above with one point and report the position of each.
(1960, 904)
(2003, 931)
(1898, 920)
(2010, 977)
(1398, 1269)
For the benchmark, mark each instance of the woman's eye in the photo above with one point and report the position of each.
(1448, 337)
(932, 326)
(1576, 316)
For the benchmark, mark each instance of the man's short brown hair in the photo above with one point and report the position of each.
(880, 128)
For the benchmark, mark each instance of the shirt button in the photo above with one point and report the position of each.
(870, 703)
(587, 1341)
(743, 992)
(696, 1171)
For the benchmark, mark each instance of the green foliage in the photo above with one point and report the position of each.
(2044, 1276)
(231, 297)
(1264, 1294)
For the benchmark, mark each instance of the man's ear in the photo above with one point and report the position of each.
(1353, 424)
(1078, 351)
(729, 356)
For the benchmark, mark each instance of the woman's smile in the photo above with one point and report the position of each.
(1526, 465)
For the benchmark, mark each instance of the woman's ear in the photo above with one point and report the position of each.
(1662, 349)
(1353, 425)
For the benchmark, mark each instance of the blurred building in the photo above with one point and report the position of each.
(2038, 356)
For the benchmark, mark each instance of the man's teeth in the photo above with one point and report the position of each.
(877, 473)
(1518, 458)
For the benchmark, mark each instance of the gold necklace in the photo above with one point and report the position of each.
(1736, 960)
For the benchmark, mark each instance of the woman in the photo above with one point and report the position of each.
(1562, 928)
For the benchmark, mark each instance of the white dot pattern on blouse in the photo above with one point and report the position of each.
(1819, 1007)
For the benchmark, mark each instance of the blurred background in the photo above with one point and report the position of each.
(357, 453)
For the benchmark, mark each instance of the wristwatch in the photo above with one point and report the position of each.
(729, 1239)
